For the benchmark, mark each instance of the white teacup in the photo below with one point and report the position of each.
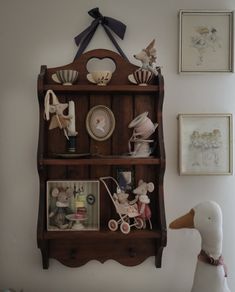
(143, 126)
(66, 77)
(100, 78)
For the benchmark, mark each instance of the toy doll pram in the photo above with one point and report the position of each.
(128, 213)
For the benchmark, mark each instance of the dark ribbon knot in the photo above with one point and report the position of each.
(95, 13)
(108, 23)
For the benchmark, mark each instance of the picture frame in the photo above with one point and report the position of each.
(73, 205)
(206, 41)
(100, 122)
(125, 179)
(205, 144)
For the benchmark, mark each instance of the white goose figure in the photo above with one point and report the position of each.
(210, 274)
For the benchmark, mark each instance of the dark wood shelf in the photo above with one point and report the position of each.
(100, 161)
(102, 89)
(105, 235)
(126, 101)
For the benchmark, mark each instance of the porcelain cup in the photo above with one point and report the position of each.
(141, 77)
(100, 78)
(66, 77)
(143, 126)
(141, 148)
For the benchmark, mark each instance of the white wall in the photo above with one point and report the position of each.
(33, 33)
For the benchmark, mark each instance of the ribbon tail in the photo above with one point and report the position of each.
(116, 26)
(225, 271)
(79, 38)
(82, 35)
(114, 42)
(225, 267)
(85, 41)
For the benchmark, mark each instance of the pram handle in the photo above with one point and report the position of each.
(103, 178)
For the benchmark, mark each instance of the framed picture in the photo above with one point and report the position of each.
(100, 122)
(205, 144)
(205, 41)
(125, 179)
(73, 205)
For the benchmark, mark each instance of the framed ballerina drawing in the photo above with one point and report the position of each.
(205, 144)
(205, 41)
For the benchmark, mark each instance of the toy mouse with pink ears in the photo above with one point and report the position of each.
(59, 119)
(143, 200)
(58, 214)
(148, 57)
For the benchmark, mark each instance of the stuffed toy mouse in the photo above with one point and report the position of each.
(124, 205)
(143, 200)
(59, 119)
(58, 214)
(148, 57)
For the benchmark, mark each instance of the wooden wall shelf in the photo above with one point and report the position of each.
(101, 161)
(126, 101)
(105, 235)
(115, 89)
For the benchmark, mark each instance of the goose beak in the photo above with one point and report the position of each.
(185, 221)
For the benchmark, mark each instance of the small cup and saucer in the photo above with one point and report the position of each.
(141, 77)
(65, 77)
(100, 78)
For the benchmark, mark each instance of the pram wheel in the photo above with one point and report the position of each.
(113, 225)
(125, 228)
(139, 223)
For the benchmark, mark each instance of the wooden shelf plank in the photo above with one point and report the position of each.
(105, 235)
(76, 89)
(100, 161)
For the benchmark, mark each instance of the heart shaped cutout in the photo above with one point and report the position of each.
(105, 64)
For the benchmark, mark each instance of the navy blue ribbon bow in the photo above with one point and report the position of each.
(82, 40)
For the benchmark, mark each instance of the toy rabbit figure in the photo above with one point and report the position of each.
(147, 57)
(58, 119)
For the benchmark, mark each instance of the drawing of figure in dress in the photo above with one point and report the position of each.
(205, 148)
(203, 40)
(195, 148)
(216, 144)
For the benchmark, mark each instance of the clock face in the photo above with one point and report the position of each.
(90, 199)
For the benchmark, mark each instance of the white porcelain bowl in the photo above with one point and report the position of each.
(100, 78)
(66, 77)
